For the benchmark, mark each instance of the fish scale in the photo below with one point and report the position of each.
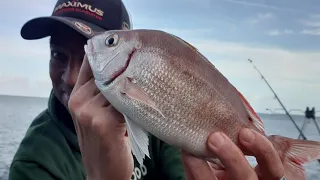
(183, 103)
(173, 116)
(168, 89)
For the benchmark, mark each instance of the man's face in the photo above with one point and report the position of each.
(67, 52)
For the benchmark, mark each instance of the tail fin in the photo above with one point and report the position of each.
(294, 154)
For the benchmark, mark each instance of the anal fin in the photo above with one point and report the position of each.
(139, 140)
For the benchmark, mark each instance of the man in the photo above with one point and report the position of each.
(91, 143)
(50, 149)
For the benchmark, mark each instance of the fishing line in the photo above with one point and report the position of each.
(276, 96)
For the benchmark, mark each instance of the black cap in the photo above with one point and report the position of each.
(85, 16)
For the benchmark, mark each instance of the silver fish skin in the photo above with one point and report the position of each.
(164, 86)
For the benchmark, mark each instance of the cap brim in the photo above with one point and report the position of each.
(43, 26)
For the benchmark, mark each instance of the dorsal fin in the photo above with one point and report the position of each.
(252, 114)
(193, 48)
(188, 44)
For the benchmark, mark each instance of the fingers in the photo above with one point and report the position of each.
(222, 175)
(100, 100)
(85, 73)
(231, 157)
(79, 98)
(195, 168)
(83, 95)
(109, 123)
(270, 165)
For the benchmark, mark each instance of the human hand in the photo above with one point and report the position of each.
(236, 165)
(100, 130)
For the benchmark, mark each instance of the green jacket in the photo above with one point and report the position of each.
(50, 151)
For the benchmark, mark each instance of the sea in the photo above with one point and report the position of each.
(16, 114)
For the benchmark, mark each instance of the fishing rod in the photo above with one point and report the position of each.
(276, 96)
(284, 108)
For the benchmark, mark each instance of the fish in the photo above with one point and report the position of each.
(164, 86)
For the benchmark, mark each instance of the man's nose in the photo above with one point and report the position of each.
(70, 76)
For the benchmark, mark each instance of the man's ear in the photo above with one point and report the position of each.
(125, 26)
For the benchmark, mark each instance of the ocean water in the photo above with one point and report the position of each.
(16, 114)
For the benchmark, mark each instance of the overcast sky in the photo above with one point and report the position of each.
(281, 36)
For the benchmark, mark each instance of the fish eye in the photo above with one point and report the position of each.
(112, 40)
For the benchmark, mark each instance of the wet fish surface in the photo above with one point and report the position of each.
(164, 86)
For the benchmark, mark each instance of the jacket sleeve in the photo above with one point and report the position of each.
(25, 170)
(171, 163)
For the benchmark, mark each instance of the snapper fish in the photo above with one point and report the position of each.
(164, 86)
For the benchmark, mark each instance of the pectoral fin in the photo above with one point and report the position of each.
(132, 90)
(138, 139)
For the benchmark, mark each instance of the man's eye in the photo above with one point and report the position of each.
(59, 56)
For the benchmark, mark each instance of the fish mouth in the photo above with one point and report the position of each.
(122, 69)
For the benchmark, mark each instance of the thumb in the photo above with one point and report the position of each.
(230, 155)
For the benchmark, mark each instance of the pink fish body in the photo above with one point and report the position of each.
(164, 86)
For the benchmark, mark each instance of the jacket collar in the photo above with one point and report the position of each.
(63, 120)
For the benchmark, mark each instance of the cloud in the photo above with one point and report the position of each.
(261, 5)
(313, 20)
(293, 75)
(315, 32)
(311, 24)
(188, 32)
(22, 58)
(43, 6)
(15, 12)
(278, 63)
(261, 17)
(24, 64)
(23, 86)
(277, 32)
(265, 15)
(16, 47)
